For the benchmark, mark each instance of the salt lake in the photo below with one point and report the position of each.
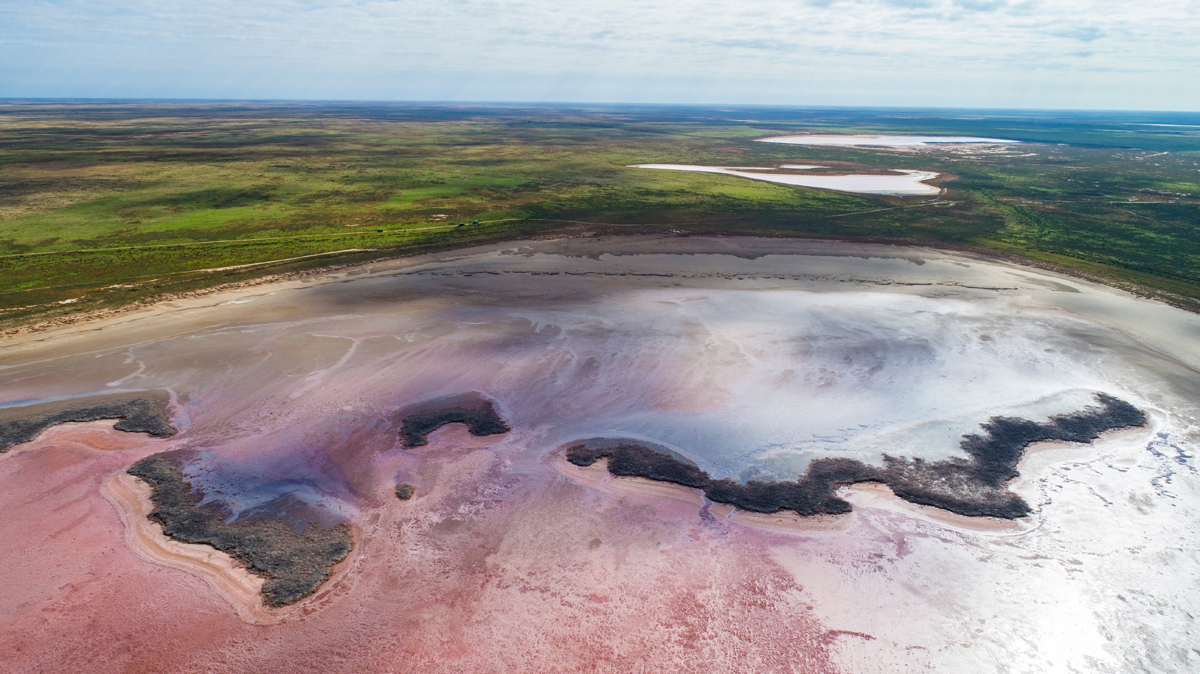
(883, 141)
(900, 183)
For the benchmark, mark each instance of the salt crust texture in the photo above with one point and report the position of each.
(750, 358)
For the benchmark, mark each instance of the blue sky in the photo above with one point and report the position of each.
(974, 53)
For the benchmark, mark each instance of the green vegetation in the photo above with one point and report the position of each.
(103, 204)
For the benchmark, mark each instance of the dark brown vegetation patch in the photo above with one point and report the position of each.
(295, 563)
(142, 412)
(975, 486)
(472, 409)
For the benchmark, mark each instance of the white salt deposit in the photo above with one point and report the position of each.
(903, 184)
(883, 141)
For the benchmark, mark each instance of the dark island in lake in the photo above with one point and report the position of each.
(975, 487)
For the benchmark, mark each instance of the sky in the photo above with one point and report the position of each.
(1100, 54)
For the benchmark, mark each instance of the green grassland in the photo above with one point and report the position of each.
(103, 204)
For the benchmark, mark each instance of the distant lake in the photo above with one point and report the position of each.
(882, 141)
(901, 183)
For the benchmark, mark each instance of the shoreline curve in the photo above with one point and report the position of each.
(240, 588)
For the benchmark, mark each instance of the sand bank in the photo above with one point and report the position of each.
(597, 476)
(872, 495)
(88, 437)
(785, 522)
(1041, 460)
(242, 589)
(134, 412)
(131, 497)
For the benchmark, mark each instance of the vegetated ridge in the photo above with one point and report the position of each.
(108, 204)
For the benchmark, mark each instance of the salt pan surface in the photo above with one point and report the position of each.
(748, 356)
(907, 184)
(883, 141)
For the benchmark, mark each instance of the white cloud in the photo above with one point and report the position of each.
(939, 52)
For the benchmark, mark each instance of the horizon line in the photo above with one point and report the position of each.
(570, 104)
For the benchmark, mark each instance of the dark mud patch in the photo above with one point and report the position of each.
(295, 561)
(975, 486)
(474, 410)
(139, 412)
(405, 492)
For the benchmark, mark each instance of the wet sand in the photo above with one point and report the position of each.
(750, 357)
(131, 497)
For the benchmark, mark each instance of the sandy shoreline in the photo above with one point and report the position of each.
(75, 326)
(872, 495)
(236, 585)
(79, 435)
(785, 521)
(862, 495)
(131, 497)
(597, 476)
(1043, 458)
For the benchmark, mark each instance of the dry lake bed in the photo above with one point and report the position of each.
(898, 183)
(406, 429)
